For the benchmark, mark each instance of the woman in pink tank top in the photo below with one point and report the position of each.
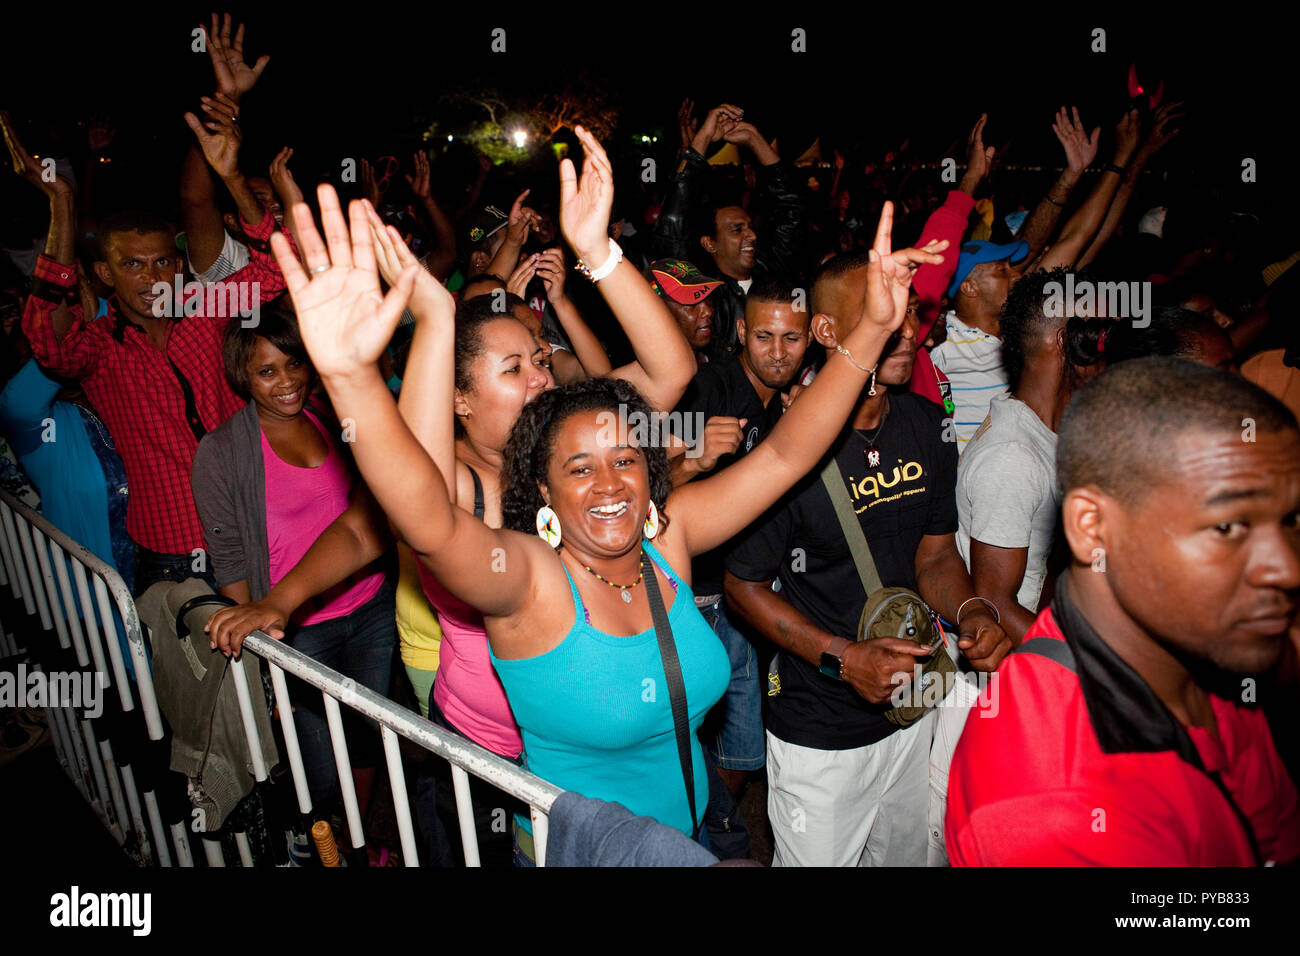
(294, 536)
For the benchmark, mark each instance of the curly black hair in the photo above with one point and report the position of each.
(532, 443)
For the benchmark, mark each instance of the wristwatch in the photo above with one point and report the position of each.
(832, 658)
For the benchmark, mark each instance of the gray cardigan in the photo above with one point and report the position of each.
(229, 482)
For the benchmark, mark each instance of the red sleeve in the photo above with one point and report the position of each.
(78, 351)
(262, 267)
(931, 282)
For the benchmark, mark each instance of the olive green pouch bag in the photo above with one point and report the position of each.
(892, 612)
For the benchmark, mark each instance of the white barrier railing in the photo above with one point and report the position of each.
(34, 558)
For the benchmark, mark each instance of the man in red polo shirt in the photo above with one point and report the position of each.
(1128, 728)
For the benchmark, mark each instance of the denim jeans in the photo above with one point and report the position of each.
(154, 566)
(361, 646)
(493, 810)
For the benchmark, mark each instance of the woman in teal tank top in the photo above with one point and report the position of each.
(613, 733)
(562, 587)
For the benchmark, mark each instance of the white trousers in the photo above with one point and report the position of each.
(869, 806)
(950, 718)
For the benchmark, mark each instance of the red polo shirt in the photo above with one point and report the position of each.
(1030, 784)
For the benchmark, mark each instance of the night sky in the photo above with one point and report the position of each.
(368, 83)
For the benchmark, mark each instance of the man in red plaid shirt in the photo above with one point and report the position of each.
(153, 366)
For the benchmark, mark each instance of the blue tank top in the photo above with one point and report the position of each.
(595, 713)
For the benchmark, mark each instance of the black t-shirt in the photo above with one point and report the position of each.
(909, 494)
(723, 388)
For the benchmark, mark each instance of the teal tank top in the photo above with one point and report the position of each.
(595, 714)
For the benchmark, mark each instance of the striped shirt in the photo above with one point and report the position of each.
(972, 360)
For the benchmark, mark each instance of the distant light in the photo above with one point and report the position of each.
(450, 137)
(645, 139)
(520, 138)
(654, 139)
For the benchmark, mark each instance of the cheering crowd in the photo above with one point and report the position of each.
(965, 508)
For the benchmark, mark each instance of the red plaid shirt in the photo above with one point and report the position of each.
(131, 384)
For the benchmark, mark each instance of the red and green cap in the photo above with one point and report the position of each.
(680, 281)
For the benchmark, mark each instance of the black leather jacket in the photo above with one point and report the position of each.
(775, 251)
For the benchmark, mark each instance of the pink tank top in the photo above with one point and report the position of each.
(467, 689)
(300, 504)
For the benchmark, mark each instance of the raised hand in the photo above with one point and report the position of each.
(29, 169)
(221, 145)
(285, 185)
(522, 220)
(585, 205)
(346, 322)
(519, 279)
(419, 182)
(1127, 134)
(550, 269)
(978, 156)
(718, 122)
(234, 76)
(889, 273)
(393, 256)
(1080, 148)
(746, 134)
(369, 186)
(1162, 129)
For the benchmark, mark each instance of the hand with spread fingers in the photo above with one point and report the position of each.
(345, 320)
(234, 76)
(1080, 148)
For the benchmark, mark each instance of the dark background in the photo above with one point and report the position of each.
(364, 79)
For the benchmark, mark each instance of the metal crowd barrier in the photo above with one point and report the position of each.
(34, 561)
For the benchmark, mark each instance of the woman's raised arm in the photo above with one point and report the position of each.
(346, 323)
(664, 362)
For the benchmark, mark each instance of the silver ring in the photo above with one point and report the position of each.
(319, 269)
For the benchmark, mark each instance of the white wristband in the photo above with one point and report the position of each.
(615, 257)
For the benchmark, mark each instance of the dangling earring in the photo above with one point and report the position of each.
(548, 526)
(652, 521)
(871, 390)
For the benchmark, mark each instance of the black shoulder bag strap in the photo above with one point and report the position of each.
(676, 687)
(1050, 648)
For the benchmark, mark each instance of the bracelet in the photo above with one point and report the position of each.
(997, 618)
(870, 371)
(1059, 205)
(595, 275)
(848, 355)
(1115, 168)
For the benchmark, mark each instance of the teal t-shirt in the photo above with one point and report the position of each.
(595, 713)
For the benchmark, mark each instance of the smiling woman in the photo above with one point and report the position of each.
(293, 535)
(591, 689)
